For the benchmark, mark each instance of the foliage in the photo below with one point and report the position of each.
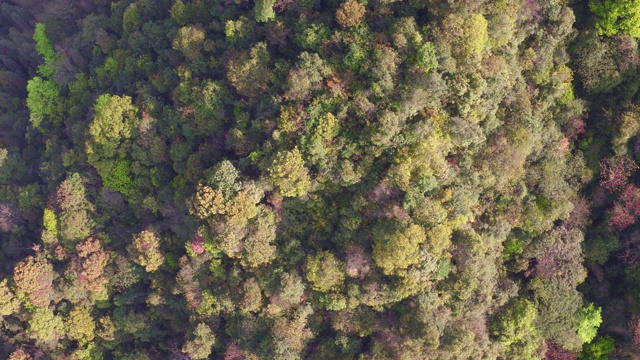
(263, 10)
(288, 172)
(350, 13)
(34, 277)
(616, 16)
(348, 179)
(590, 320)
(145, 250)
(515, 329)
(200, 346)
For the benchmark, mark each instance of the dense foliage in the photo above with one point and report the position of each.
(280, 179)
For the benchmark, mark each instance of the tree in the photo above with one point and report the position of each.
(289, 173)
(615, 171)
(80, 325)
(515, 328)
(43, 100)
(114, 121)
(75, 225)
(616, 16)
(350, 13)
(34, 277)
(20, 354)
(400, 250)
(249, 71)
(9, 303)
(600, 349)
(263, 10)
(45, 326)
(189, 41)
(145, 251)
(93, 262)
(590, 320)
(224, 178)
(324, 271)
(291, 287)
(200, 346)
(258, 244)
(206, 202)
(45, 49)
(252, 296)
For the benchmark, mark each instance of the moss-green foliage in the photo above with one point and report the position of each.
(600, 349)
(50, 222)
(45, 49)
(399, 250)
(42, 101)
(324, 180)
(114, 122)
(324, 271)
(288, 172)
(116, 175)
(616, 16)
(590, 320)
(515, 328)
(263, 10)
(45, 326)
(9, 303)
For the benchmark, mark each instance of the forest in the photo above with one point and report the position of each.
(319, 179)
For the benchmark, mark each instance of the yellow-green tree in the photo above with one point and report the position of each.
(324, 271)
(145, 251)
(617, 16)
(200, 346)
(80, 325)
(289, 173)
(400, 250)
(9, 303)
(45, 326)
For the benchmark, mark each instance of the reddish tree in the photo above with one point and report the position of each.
(34, 277)
(631, 199)
(358, 262)
(634, 326)
(630, 253)
(555, 352)
(197, 245)
(615, 171)
(621, 218)
(234, 352)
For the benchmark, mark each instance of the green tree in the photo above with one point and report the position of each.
(224, 178)
(9, 303)
(617, 16)
(515, 328)
(43, 100)
(263, 10)
(45, 49)
(590, 320)
(189, 41)
(291, 287)
(400, 250)
(600, 349)
(289, 173)
(200, 346)
(324, 271)
(251, 296)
